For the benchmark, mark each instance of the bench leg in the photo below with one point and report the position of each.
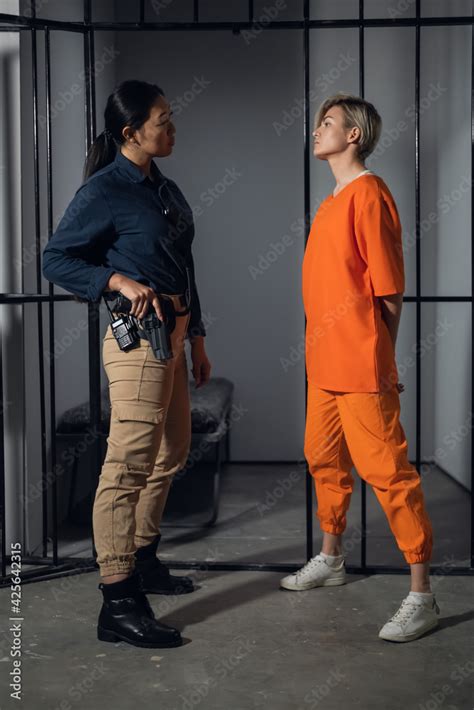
(227, 439)
(72, 489)
(215, 487)
(215, 496)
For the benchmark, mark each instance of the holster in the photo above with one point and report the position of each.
(150, 326)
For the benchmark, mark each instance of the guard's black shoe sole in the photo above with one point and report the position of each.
(114, 637)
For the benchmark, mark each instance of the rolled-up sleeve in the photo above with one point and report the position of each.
(72, 257)
(378, 234)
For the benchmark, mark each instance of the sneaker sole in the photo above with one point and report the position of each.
(113, 637)
(309, 585)
(410, 637)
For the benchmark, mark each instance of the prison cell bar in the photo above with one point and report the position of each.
(68, 566)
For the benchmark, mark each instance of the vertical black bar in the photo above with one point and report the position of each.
(39, 306)
(93, 308)
(307, 210)
(250, 10)
(196, 11)
(142, 11)
(472, 292)
(90, 84)
(417, 238)
(363, 485)
(2, 465)
(90, 114)
(51, 321)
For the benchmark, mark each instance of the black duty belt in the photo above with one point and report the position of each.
(122, 304)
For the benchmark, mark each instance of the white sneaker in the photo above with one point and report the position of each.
(315, 573)
(414, 618)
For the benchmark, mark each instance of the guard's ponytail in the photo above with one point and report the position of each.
(128, 105)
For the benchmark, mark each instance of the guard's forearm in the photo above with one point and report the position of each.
(196, 341)
(115, 282)
(391, 307)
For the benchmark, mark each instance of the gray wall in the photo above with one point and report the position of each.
(249, 243)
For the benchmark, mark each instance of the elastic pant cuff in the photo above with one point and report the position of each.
(117, 567)
(414, 557)
(332, 528)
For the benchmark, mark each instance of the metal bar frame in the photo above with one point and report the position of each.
(47, 567)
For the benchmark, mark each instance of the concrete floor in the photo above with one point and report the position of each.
(262, 519)
(249, 645)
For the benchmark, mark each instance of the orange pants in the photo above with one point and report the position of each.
(363, 429)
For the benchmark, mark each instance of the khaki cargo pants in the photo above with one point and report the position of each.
(148, 442)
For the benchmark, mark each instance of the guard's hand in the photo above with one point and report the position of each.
(201, 366)
(140, 296)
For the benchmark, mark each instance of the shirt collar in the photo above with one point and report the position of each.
(133, 172)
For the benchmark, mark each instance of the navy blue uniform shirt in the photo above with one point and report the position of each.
(121, 221)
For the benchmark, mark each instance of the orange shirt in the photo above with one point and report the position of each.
(354, 254)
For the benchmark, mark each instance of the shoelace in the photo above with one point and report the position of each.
(407, 608)
(312, 563)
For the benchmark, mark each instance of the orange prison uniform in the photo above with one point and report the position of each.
(353, 256)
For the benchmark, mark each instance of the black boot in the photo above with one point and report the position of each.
(155, 577)
(126, 615)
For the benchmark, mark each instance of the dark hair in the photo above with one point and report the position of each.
(128, 105)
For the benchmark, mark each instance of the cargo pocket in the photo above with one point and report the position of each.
(133, 411)
(156, 381)
(124, 370)
(135, 433)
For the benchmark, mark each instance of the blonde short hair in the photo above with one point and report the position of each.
(357, 112)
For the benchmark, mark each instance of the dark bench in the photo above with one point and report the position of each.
(210, 425)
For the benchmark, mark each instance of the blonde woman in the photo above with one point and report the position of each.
(353, 284)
